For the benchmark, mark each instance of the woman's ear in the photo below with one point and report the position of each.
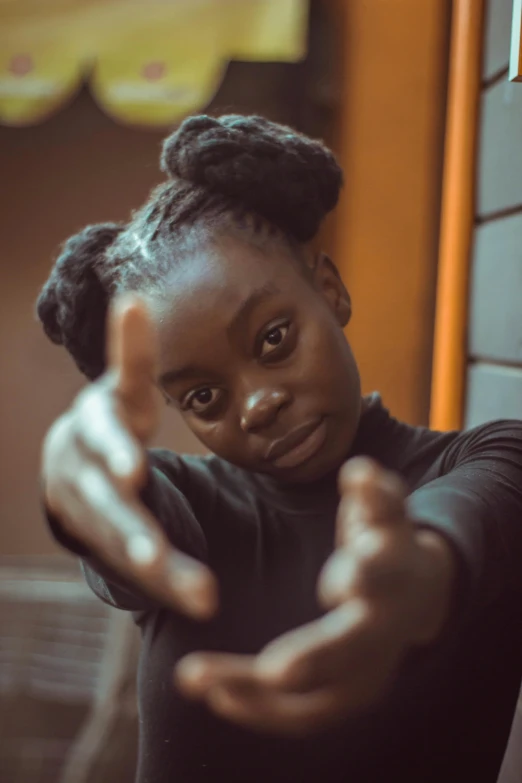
(328, 282)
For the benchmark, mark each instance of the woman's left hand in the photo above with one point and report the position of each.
(388, 587)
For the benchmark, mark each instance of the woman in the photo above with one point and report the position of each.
(336, 594)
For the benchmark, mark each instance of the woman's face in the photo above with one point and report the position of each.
(253, 353)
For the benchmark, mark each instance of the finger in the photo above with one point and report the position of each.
(349, 648)
(241, 694)
(281, 713)
(197, 673)
(132, 355)
(338, 578)
(307, 658)
(131, 346)
(371, 496)
(125, 537)
(104, 437)
(342, 651)
(294, 678)
(373, 565)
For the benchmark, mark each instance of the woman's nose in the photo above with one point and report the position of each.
(261, 408)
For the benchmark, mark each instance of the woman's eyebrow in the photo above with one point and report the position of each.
(237, 323)
(183, 373)
(240, 318)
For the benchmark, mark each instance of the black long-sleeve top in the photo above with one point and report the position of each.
(448, 715)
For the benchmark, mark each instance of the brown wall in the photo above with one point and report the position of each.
(75, 168)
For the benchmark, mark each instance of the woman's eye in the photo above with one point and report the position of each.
(273, 339)
(202, 399)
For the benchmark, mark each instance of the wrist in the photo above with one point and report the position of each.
(436, 578)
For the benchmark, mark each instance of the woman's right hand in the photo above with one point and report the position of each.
(95, 464)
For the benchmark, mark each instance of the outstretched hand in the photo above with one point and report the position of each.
(94, 466)
(388, 588)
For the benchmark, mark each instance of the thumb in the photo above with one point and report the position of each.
(370, 497)
(132, 360)
(371, 514)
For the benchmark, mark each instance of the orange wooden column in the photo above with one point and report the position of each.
(390, 141)
(449, 355)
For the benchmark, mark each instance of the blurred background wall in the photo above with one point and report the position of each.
(493, 359)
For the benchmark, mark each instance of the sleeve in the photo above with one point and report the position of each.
(475, 501)
(172, 510)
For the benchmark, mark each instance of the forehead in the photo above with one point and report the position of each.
(213, 281)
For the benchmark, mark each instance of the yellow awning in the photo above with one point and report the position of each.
(148, 63)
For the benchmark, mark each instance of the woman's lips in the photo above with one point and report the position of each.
(299, 445)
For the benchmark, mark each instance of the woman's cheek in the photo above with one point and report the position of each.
(208, 433)
(320, 350)
(224, 439)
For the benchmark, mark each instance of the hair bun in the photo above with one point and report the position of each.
(287, 178)
(73, 291)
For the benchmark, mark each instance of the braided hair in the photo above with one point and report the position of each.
(219, 172)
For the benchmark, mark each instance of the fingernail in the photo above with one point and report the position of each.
(122, 463)
(142, 549)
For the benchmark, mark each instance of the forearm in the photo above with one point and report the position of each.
(476, 507)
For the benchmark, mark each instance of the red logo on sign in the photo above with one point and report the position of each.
(21, 64)
(154, 71)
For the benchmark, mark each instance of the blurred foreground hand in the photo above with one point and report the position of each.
(388, 588)
(94, 466)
